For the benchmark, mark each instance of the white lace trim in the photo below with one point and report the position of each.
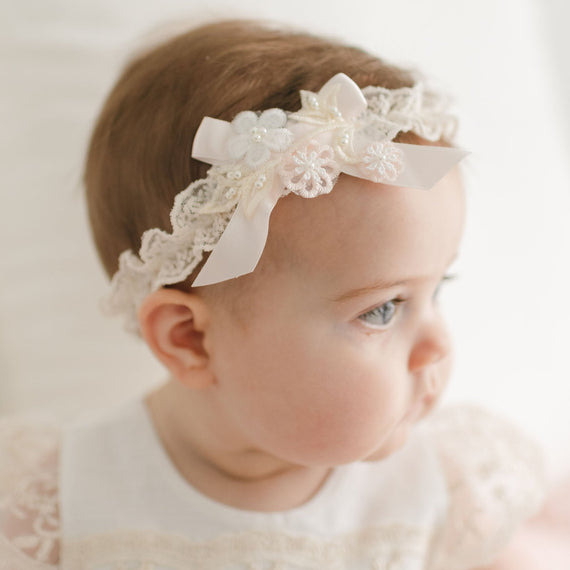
(415, 109)
(392, 547)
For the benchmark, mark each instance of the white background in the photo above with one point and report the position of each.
(505, 61)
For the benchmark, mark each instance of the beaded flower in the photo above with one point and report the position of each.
(257, 136)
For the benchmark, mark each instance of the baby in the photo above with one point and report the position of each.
(288, 278)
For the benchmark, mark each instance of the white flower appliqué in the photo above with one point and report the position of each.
(310, 171)
(383, 162)
(257, 136)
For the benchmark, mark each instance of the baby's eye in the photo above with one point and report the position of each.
(381, 316)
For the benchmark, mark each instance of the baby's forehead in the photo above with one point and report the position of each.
(365, 228)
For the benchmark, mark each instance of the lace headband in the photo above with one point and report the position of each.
(260, 157)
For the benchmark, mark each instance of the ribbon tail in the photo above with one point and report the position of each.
(210, 142)
(424, 165)
(241, 245)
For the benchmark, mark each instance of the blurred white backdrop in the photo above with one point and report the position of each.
(507, 64)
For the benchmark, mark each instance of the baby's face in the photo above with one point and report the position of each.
(342, 347)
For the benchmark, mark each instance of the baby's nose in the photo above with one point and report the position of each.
(432, 346)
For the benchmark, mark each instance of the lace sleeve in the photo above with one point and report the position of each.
(29, 518)
(495, 481)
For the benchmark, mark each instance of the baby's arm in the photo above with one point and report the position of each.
(29, 517)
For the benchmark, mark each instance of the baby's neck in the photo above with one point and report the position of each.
(216, 463)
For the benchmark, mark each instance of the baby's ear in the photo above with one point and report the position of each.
(173, 324)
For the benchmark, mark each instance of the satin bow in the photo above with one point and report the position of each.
(330, 117)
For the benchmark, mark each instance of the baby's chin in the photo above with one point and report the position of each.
(394, 443)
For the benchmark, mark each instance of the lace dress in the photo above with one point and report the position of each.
(102, 494)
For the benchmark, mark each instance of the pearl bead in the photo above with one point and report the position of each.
(230, 193)
(260, 182)
(314, 102)
(257, 133)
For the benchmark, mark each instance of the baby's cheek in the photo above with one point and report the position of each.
(338, 422)
(358, 415)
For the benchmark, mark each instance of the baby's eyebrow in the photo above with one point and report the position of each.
(381, 284)
(378, 285)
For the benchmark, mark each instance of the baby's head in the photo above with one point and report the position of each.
(331, 345)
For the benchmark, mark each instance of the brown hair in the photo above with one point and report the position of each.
(139, 154)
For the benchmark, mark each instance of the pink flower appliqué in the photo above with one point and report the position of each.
(310, 171)
(382, 162)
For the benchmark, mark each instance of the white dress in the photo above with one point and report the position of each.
(102, 494)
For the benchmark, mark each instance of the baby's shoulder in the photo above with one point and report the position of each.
(494, 475)
(29, 499)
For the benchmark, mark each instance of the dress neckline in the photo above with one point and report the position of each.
(168, 470)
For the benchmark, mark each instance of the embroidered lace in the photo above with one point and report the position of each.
(392, 547)
(29, 519)
(495, 479)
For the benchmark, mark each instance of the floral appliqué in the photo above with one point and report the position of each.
(383, 162)
(257, 136)
(310, 171)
